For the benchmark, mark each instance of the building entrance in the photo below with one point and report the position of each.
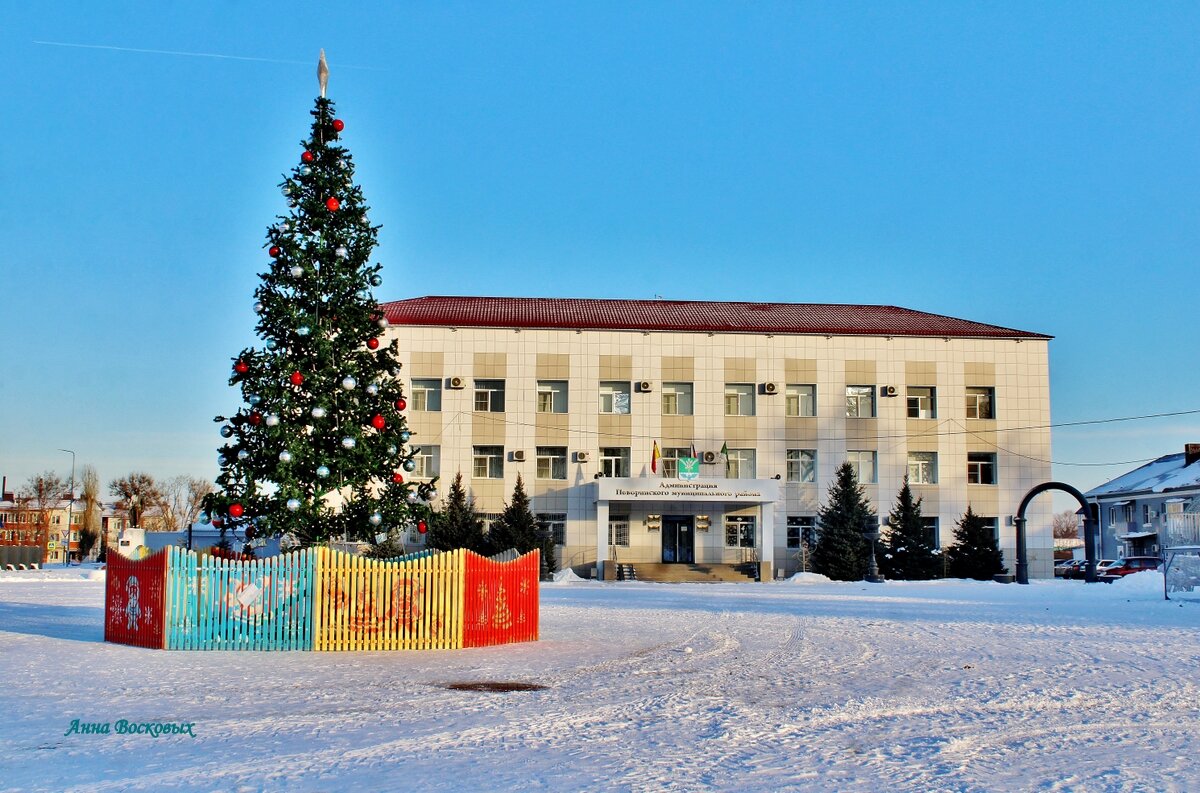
(678, 539)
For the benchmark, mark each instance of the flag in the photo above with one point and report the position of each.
(693, 448)
(654, 458)
(724, 448)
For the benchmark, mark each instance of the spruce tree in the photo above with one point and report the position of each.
(841, 551)
(907, 550)
(516, 527)
(320, 447)
(974, 553)
(457, 524)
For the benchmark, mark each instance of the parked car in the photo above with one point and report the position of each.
(1131, 565)
(1103, 565)
(1075, 568)
(1060, 567)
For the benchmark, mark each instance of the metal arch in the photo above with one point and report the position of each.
(1089, 545)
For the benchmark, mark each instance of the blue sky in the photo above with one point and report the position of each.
(1025, 164)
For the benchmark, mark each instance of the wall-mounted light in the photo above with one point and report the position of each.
(702, 523)
(653, 522)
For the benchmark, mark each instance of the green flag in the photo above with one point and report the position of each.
(724, 448)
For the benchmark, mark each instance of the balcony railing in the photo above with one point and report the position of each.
(1183, 529)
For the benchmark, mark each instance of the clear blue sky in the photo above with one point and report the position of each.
(1030, 165)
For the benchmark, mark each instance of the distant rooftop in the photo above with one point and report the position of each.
(1172, 472)
(826, 319)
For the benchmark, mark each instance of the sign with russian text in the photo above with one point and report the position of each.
(752, 491)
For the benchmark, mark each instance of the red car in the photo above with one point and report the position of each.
(1131, 565)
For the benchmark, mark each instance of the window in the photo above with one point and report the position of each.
(488, 519)
(802, 465)
(618, 530)
(552, 396)
(739, 399)
(488, 462)
(677, 399)
(863, 463)
(740, 464)
(800, 400)
(670, 460)
(860, 401)
(922, 402)
(981, 403)
(489, 396)
(1146, 514)
(930, 525)
(922, 468)
(801, 531)
(429, 462)
(739, 531)
(981, 468)
(994, 525)
(556, 524)
(552, 462)
(614, 461)
(614, 398)
(427, 394)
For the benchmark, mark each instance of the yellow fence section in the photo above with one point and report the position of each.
(372, 604)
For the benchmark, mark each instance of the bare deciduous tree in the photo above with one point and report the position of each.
(40, 494)
(89, 531)
(180, 501)
(1066, 525)
(137, 492)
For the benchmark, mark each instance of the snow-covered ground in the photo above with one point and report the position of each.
(794, 685)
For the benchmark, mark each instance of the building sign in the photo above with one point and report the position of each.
(751, 491)
(689, 468)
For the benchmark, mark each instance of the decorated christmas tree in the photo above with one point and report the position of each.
(320, 448)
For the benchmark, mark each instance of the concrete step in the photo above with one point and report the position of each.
(688, 573)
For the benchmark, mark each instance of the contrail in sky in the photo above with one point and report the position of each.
(192, 54)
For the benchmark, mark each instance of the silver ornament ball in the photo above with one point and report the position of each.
(293, 504)
(322, 471)
(372, 389)
(375, 519)
(226, 431)
(302, 330)
(342, 252)
(412, 498)
(296, 271)
(410, 465)
(348, 383)
(243, 455)
(258, 307)
(285, 456)
(348, 443)
(271, 420)
(318, 412)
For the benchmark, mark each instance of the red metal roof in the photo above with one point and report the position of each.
(687, 316)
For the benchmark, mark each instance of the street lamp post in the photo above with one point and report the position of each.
(871, 533)
(70, 511)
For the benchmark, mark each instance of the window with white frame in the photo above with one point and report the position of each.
(489, 396)
(922, 402)
(427, 394)
(981, 402)
(614, 461)
(801, 465)
(614, 397)
(739, 399)
(670, 460)
(488, 462)
(801, 531)
(618, 530)
(488, 518)
(677, 399)
(860, 401)
(800, 399)
(863, 463)
(739, 531)
(922, 468)
(552, 462)
(741, 464)
(981, 468)
(552, 396)
(993, 524)
(556, 524)
(930, 526)
(429, 462)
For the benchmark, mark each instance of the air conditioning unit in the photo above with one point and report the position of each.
(708, 457)
(770, 388)
(582, 457)
(456, 382)
(888, 391)
(518, 456)
(645, 386)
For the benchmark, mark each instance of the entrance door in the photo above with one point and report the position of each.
(678, 539)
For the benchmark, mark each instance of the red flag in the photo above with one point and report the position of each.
(654, 458)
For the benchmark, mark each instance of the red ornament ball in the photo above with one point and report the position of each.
(255, 418)
(372, 343)
(297, 378)
(241, 367)
(422, 527)
(401, 404)
(398, 477)
(217, 522)
(332, 204)
(378, 422)
(236, 510)
(338, 124)
(274, 251)
(308, 156)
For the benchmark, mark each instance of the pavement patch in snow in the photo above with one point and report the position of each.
(495, 686)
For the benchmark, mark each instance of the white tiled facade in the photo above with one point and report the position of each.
(1015, 370)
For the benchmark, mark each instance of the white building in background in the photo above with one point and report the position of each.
(575, 395)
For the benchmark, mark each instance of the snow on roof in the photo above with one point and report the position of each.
(1158, 476)
(688, 316)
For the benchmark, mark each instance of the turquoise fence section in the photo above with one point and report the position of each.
(258, 604)
(411, 556)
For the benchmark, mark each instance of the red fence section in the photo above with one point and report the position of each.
(134, 598)
(500, 600)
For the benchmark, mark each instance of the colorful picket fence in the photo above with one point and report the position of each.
(320, 599)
